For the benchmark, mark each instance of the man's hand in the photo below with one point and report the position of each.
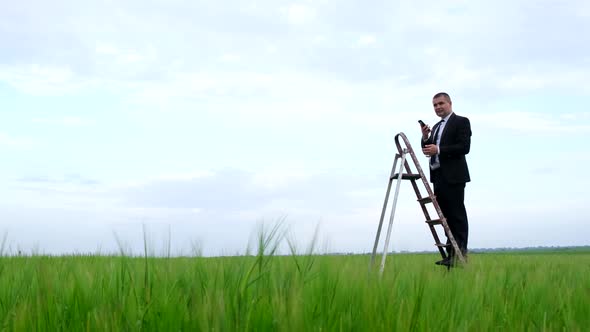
(430, 150)
(425, 132)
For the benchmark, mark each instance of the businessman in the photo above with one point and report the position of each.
(446, 145)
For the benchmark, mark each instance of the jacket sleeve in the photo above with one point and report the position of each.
(462, 141)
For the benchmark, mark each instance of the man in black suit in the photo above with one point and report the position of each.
(447, 146)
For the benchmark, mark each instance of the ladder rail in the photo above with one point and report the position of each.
(393, 206)
(429, 191)
(418, 167)
(376, 245)
(446, 228)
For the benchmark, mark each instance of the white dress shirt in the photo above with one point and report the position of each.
(439, 133)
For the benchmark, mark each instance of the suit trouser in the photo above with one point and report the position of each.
(450, 197)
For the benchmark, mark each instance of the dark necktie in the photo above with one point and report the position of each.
(435, 140)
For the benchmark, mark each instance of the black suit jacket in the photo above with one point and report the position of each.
(455, 143)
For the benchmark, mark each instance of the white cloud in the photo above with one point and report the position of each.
(131, 58)
(164, 177)
(118, 55)
(281, 177)
(320, 39)
(206, 84)
(530, 122)
(583, 9)
(538, 78)
(107, 49)
(38, 79)
(187, 176)
(299, 13)
(366, 40)
(11, 141)
(70, 121)
(230, 57)
(581, 116)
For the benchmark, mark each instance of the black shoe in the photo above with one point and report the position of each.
(446, 262)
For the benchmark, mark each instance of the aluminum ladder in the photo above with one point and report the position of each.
(407, 174)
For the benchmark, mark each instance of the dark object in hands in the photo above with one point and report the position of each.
(422, 123)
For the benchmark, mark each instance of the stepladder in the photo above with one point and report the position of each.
(402, 171)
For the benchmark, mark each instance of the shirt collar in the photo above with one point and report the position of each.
(446, 118)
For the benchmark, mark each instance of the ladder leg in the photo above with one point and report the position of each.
(456, 249)
(397, 156)
(388, 236)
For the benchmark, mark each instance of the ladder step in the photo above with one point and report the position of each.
(434, 222)
(442, 245)
(406, 176)
(425, 200)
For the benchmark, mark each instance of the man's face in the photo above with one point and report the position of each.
(442, 106)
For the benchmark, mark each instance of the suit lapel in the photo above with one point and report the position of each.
(448, 127)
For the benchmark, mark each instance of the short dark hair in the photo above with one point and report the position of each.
(442, 94)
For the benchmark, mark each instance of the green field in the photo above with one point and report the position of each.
(501, 292)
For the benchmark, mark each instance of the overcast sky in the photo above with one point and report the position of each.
(201, 119)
